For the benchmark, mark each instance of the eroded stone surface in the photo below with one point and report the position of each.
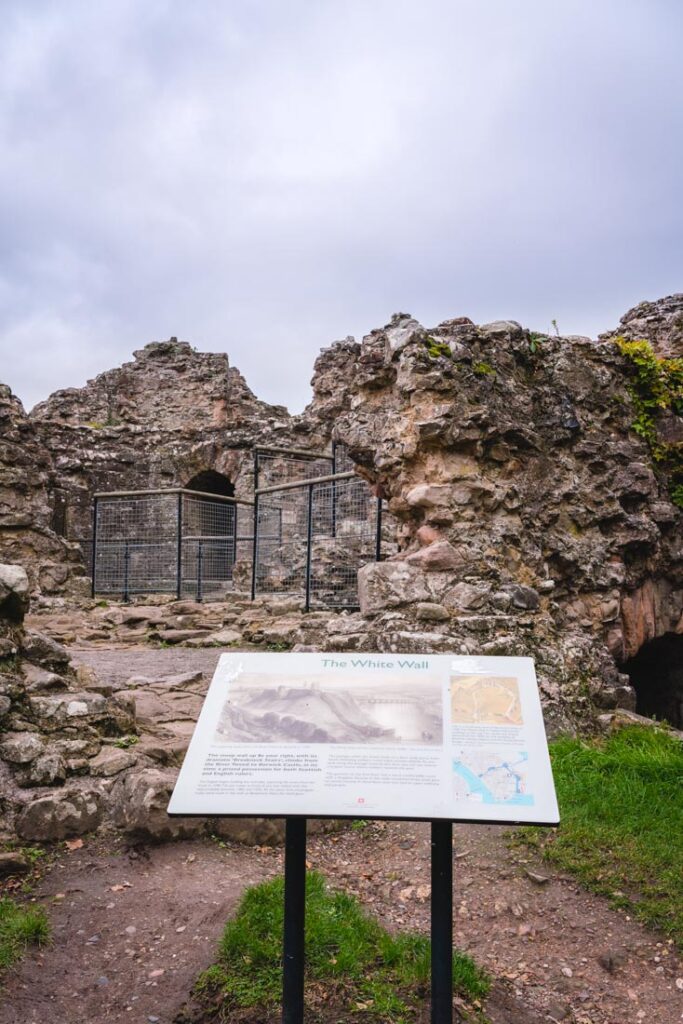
(531, 520)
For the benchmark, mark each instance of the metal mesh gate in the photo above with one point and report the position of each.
(178, 542)
(311, 538)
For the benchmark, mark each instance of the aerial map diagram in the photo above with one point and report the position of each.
(485, 700)
(491, 777)
(290, 709)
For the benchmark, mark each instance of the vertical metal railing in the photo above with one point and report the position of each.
(309, 546)
(179, 548)
(93, 587)
(200, 567)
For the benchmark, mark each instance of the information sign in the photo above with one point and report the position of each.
(370, 735)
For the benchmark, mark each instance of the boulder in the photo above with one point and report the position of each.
(110, 761)
(139, 802)
(438, 557)
(21, 747)
(388, 585)
(428, 611)
(38, 678)
(402, 330)
(251, 831)
(466, 596)
(524, 598)
(60, 815)
(44, 651)
(48, 769)
(428, 495)
(224, 637)
(13, 863)
(113, 716)
(14, 592)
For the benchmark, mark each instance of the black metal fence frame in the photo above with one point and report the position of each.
(280, 458)
(128, 545)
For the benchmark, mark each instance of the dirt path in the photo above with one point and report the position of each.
(130, 932)
(132, 929)
(116, 665)
(566, 953)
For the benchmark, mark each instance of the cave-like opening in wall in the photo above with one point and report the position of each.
(656, 674)
(209, 529)
(209, 481)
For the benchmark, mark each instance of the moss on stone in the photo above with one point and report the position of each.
(436, 349)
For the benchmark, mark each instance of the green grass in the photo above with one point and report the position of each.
(621, 809)
(20, 927)
(357, 961)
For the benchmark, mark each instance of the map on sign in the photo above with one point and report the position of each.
(489, 777)
(372, 735)
(490, 700)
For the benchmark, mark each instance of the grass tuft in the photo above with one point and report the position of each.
(621, 806)
(20, 927)
(360, 962)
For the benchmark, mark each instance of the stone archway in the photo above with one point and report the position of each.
(210, 528)
(211, 482)
(656, 674)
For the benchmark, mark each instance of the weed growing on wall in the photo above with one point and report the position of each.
(656, 387)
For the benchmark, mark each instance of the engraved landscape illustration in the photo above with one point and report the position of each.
(288, 709)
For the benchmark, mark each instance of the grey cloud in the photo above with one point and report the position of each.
(261, 178)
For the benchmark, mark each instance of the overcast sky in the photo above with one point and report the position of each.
(262, 177)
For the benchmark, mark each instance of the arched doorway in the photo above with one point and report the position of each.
(656, 674)
(209, 530)
(211, 482)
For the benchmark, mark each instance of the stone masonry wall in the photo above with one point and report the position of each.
(26, 510)
(156, 422)
(533, 520)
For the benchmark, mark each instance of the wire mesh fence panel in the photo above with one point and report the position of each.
(241, 570)
(175, 542)
(313, 537)
(281, 542)
(388, 544)
(136, 547)
(305, 538)
(208, 546)
(279, 466)
(343, 538)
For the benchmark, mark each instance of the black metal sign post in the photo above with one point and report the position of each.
(294, 925)
(442, 922)
(295, 917)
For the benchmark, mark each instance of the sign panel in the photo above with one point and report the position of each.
(370, 735)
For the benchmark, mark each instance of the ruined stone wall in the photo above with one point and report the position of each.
(660, 323)
(26, 510)
(156, 422)
(532, 519)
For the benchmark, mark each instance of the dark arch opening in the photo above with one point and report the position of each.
(209, 530)
(212, 483)
(656, 674)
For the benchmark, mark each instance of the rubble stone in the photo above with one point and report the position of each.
(60, 815)
(138, 806)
